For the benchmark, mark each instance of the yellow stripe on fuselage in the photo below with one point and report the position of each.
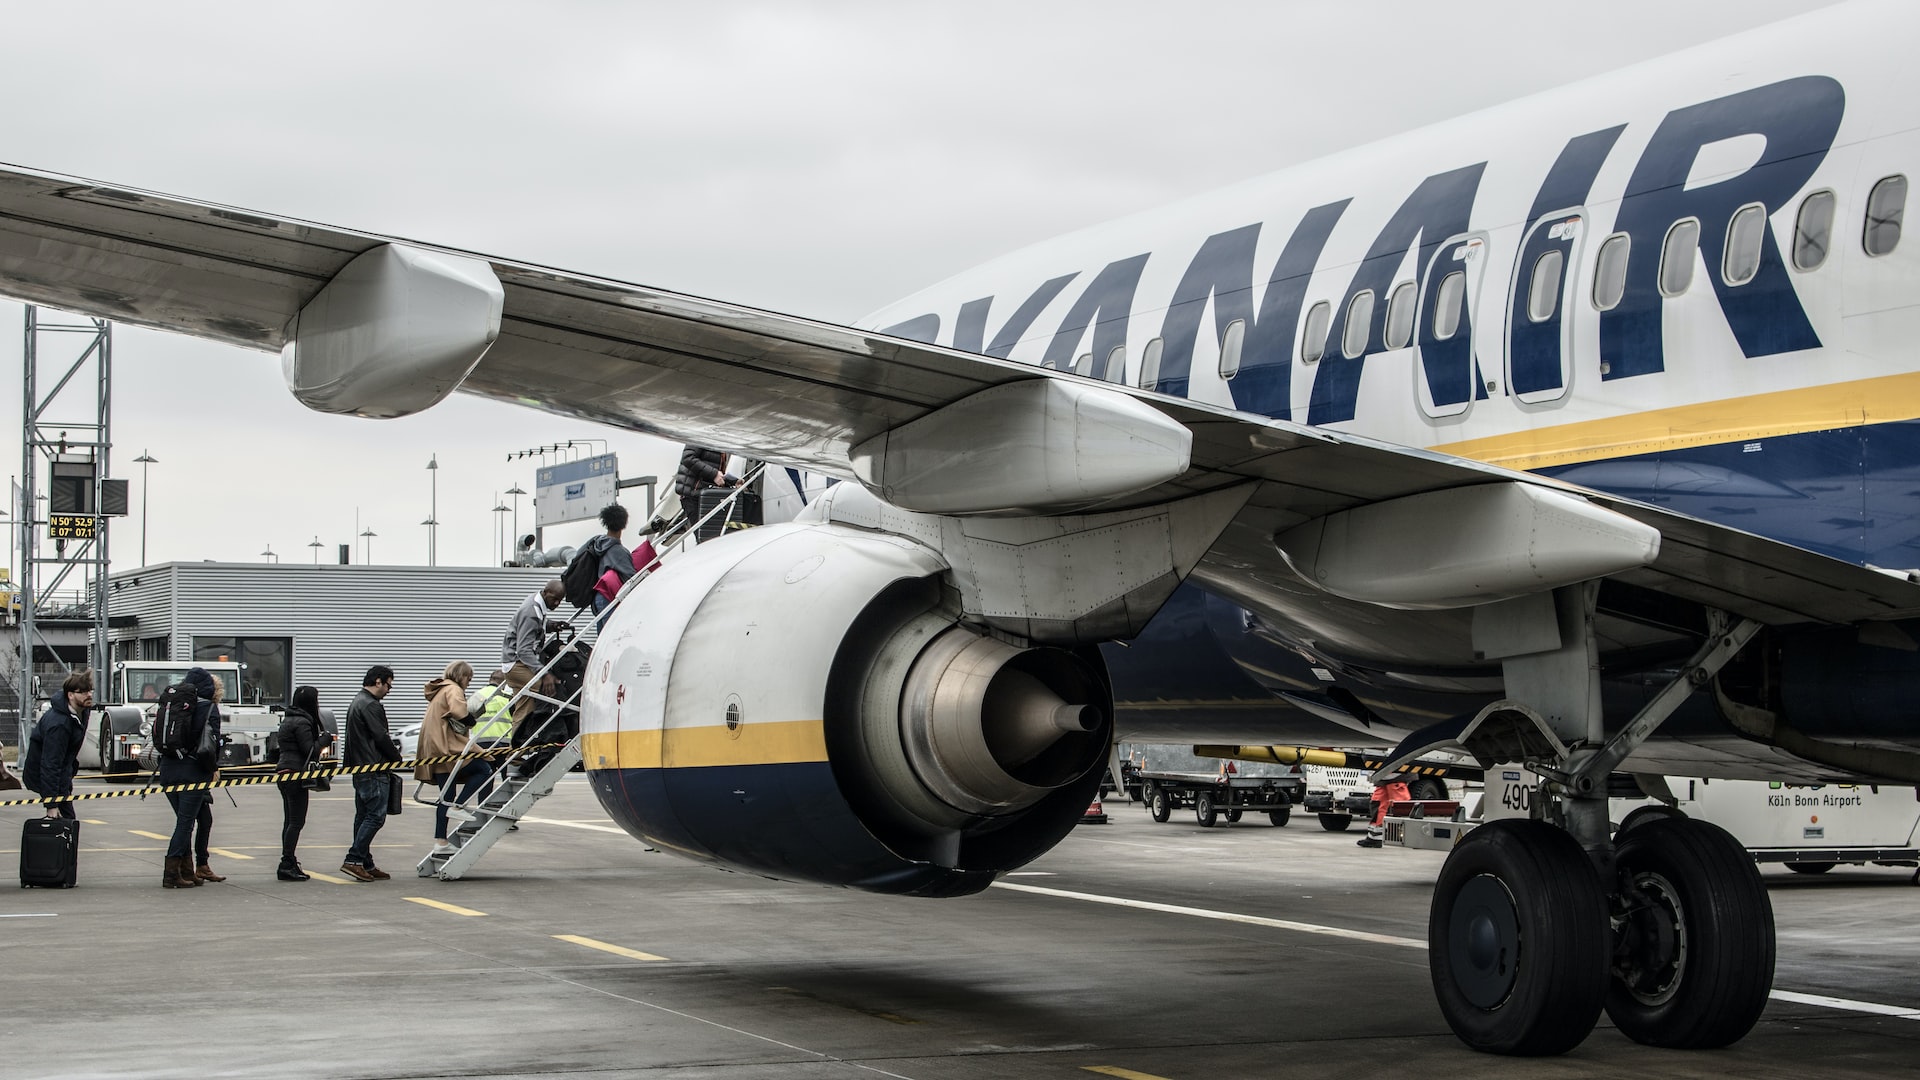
(780, 743)
(1880, 400)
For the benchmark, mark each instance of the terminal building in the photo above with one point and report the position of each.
(324, 625)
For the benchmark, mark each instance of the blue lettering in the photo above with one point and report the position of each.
(1105, 306)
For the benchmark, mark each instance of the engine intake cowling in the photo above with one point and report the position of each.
(798, 701)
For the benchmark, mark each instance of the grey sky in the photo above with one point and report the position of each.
(820, 159)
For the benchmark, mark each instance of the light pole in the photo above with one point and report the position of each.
(366, 545)
(499, 551)
(516, 493)
(269, 553)
(145, 459)
(433, 512)
(316, 549)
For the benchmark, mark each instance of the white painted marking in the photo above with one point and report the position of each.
(1033, 873)
(33, 915)
(615, 829)
(1875, 1008)
(1846, 1004)
(1223, 916)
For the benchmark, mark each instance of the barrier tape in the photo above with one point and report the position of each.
(278, 777)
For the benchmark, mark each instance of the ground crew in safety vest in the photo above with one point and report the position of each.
(1384, 795)
(492, 719)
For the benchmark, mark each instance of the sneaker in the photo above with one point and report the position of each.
(1368, 842)
(374, 873)
(355, 871)
(454, 813)
(441, 847)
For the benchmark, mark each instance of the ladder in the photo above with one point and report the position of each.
(530, 771)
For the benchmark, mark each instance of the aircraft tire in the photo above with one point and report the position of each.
(1809, 867)
(1157, 803)
(1642, 815)
(1203, 810)
(1694, 964)
(1517, 940)
(1279, 817)
(1336, 822)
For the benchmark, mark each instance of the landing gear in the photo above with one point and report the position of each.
(1518, 941)
(1693, 940)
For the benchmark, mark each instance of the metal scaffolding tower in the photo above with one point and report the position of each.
(66, 406)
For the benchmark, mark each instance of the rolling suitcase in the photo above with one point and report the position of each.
(49, 853)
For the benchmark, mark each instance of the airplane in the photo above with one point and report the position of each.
(1575, 433)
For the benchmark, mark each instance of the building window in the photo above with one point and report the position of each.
(1150, 364)
(267, 672)
(1313, 341)
(1610, 276)
(1400, 308)
(1676, 256)
(1813, 231)
(1543, 292)
(1744, 235)
(1230, 347)
(1886, 205)
(1447, 303)
(1353, 336)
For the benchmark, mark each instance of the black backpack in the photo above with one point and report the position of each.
(582, 574)
(175, 735)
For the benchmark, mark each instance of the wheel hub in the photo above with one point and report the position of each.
(1650, 953)
(1484, 933)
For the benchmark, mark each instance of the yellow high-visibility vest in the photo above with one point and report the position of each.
(491, 717)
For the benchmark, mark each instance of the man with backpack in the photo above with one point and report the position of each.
(369, 743)
(53, 751)
(602, 564)
(186, 737)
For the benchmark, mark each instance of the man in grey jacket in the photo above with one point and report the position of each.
(520, 651)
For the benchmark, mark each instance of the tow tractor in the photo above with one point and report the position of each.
(118, 735)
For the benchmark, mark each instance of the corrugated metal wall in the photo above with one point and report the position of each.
(342, 619)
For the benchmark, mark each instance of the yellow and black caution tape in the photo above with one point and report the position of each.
(278, 777)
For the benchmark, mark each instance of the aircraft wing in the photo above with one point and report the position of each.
(792, 390)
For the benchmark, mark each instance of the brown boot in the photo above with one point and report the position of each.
(204, 872)
(170, 877)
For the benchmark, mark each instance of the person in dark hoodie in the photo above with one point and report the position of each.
(189, 768)
(301, 739)
(53, 754)
(615, 558)
(369, 743)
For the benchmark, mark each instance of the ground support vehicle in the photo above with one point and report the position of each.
(120, 725)
(1213, 795)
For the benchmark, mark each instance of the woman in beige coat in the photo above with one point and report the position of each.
(447, 700)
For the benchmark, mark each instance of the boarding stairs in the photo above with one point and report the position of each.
(529, 772)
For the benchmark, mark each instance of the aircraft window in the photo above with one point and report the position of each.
(1400, 308)
(1353, 336)
(1676, 256)
(1116, 365)
(1313, 342)
(1543, 292)
(1744, 235)
(1150, 364)
(1885, 206)
(1446, 305)
(1610, 276)
(1230, 348)
(1813, 231)
(1084, 365)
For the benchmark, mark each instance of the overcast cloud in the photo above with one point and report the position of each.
(820, 159)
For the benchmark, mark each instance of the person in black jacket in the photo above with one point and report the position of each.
(190, 768)
(301, 739)
(53, 755)
(369, 743)
(699, 468)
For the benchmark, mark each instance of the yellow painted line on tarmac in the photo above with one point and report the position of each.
(92, 821)
(631, 954)
(328, 878)
(453, 908)
(1123, 1074)
(150, 835)
(227, 853)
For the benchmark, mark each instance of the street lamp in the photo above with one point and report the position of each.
(145, 459)
(499, 551)
(516, 493)
(316, 549)
(366, 545)
(433, 512)
(269, 553)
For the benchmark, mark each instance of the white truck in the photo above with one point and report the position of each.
(119, 728)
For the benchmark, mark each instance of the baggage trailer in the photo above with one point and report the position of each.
(1173, 777)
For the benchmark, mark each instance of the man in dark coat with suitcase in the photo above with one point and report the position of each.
(55, 747)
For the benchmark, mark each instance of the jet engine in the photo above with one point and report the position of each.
(805, 701)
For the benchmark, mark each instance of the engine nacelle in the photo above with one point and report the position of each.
(804, 701)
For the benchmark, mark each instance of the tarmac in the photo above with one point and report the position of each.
(1134, 949)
